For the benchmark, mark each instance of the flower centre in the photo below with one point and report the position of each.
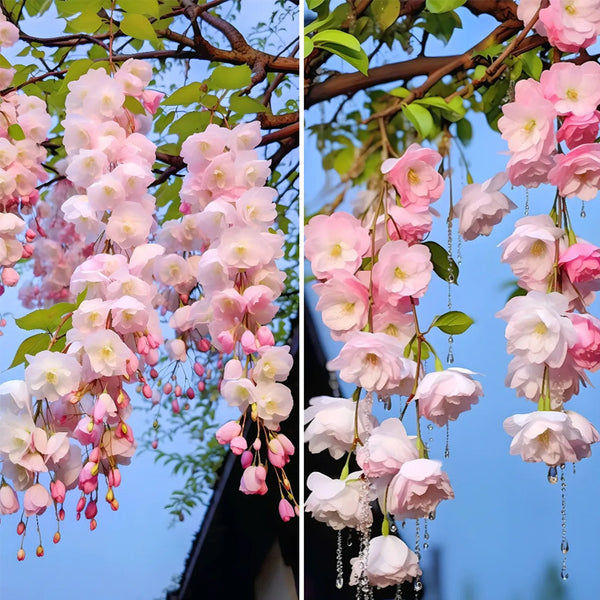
(413, 178)
(399, 273)
(544, 438)
(391, 329)
(538, 248)
(336, 250)
(570, 9)
(349, 307)
(540, 328)
(51, 377)
(530, 125)
(372, 359)
(572, 94)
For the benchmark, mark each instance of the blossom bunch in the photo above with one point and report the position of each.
(219, 280)
(372, 270)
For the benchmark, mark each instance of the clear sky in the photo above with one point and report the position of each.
(503, 530)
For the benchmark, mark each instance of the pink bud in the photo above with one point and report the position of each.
(167, 388)
(154, 444)
(58, 491)
(10, 277)
(27, 251)
(153, 341)
(147, 391)
(238, 445)
(20, 528)
(203, 345)
(114, 478)
(288, 447)
(227, 342)
(190, 393)
(248, 342)
(95, 455)
(80, 504)
(185, 208)
(175, 406)
(143, 347)
(152, 357)
(153, 373)
(30, 235)
(3, 322)
(198, 369)
(286, 510)
(257, 444)
(91, 510)
(9, 503)
(246, 459)
(201, 386)
(178, 391)
(265, 336)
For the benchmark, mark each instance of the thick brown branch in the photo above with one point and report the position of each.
(291, 131)
(276, 121)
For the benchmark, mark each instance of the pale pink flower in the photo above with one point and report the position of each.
(344, 303)
(386, 450)
(335, 242)
(570, 24)
(444, 395)
(331, 424)
(572, 88)
(286, 510)
(129, 225)
(9, 503)
(259, 303)
(537, 327)
(586, 350)
(129, 315)
(246, 247)
(336, 502)
(579, 129)
(530, 250)
(244, 136)
(87, 167)
(273, 403)
(416, 490)
(415, 177)
(106, 353)
(37, 499)
(406, 224)
(550, 437)
(402, 271)
(274, 364)
(482, 206)
(253, 480)
(239, 392)
(51, 375)
(373, 361)
(9, 34)
(227, 432)
(390, 562)
(176, 349)
(578, 172)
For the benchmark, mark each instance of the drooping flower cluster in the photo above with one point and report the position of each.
(220, 280)
(371, 273)
(75, 398)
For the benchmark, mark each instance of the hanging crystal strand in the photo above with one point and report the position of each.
(418, 586)
(398, 595)
(526, 202)
(552, 475)
(582, 214)
(349, 539)
(430, 440)
(364, 591)
(459, 251)
(447, 449)
(425, 535)
(393, 526)
(564, 545)
(339, 565)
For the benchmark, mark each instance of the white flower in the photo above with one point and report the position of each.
(51, 375)
(106, 352)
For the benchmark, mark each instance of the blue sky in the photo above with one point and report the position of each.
(504, 528)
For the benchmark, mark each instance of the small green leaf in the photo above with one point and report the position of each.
(308, 46)
(443, 6)
(339, 38)
(532, 64)
(184, 96)
(312, 4)
(47, 319)
(420, 117)
(453, 322)
(134, 106)
(244, 105)
(86, 22)
(442, 265)
(385, 12)
(138, 26)
(453, 110)
(15, 132)
(464, 131)
(32, 345)
(230, 78)
(145, 7)
(442, 26)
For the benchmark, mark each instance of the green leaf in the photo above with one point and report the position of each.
(350, 50)
(145, 7)
(134, 106)
(453, 322)
(312, 4)
(184, 96)
(192, 122)
(67, 8)
(443, 6)
(138, 26)
(244, 105)
(308, 46)
(47, 319)
(454, 110)
(464, 131)
(338, 38)
(15, 132)
(442, 26)
(230, 78)
(442, 264)
(86, 22)
(420, 117)
(532, 64)
(32, 345)
(385, 12)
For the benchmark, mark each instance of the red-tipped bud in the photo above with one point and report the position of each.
(114, 504)
(30, 235)
(154, 444)
(167, 388)
(153, 373)
(20, 528)
(201, 386)
(91, 510)
(178, 391)
(198, 369)
(175, 406)
(39, 551)
(56, 537)
(61, 514)
(80, 504)
(114, 478)
(21, 554)
(147, 391)
(110, 495)
(93, 524)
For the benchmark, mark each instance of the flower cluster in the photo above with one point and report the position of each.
(371, 273)
(220, 280)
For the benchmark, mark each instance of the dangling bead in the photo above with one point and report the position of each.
(582, 214)
(526, 202)
(447, 449)
(564, 545)
(450, 357)
(339, 566)
(552, 475)
(417, 539)
(425, 535)
(398, 595)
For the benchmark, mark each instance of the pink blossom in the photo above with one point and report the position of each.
(550, 437)
(572, 88)
(286, 510)
(344, 303)
(537, 327)
(416, 490)
(253, 480)
(578, 172)
(274, 364)
(335, 242)
(482, 206)
(444, 395)
(331, 424)
(586, 350)
(415, 177)
(51, 375)
(408, 225)
(402, 271)
(577, 130)
(238, 445)
(386, 450)
(37, 499)
(570, 24)
(273, 403)
(336, 502)
(581, 262)
(10, 277)
(9, 503)
(106, 353)
(373, 361)
(390, 561)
